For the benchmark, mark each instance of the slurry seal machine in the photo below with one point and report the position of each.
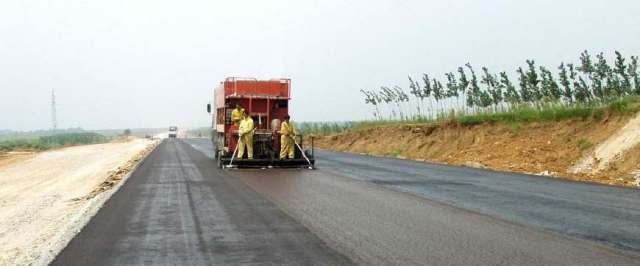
(267, 103)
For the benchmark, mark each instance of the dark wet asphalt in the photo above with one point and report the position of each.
(610, 215)
(178, 209)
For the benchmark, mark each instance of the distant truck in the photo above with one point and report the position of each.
(267, 103)
(173, 132)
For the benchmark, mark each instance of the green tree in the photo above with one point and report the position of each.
(493, 88)
(581, 89)
(511, 94)
(427, 85)
(633, 73)
(371, 97)
(567, 91)
(389, 96)
(525, 93)
(586, 65)
(603, 72)
(401, 97)
(452, 87)
(428, 88)
(533, 81)
(550, 87)
(438, 92)
(463, 84)
(623, 76)
(485, 99)
(473, 96)
(590, 70)
(417, 91)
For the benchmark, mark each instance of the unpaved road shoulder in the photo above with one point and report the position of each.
(39, 206)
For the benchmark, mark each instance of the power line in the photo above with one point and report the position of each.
(54, 119)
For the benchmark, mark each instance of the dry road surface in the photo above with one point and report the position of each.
(177, 208)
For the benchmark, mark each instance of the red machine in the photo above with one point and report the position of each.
(266, 102)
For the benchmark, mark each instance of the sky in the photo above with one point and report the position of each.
(143, 64)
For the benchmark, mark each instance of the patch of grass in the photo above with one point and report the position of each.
(584, 144)
(530, 114)
(53, 141)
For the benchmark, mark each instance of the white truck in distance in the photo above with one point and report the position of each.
(173, 132)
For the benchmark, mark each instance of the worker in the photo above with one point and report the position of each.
(237, 114)
(287, 138)
(245, 137)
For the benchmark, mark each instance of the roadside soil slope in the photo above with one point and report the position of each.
(42, 195)
(543, 148)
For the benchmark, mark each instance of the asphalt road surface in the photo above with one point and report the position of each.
(610, 215)
(177, 208)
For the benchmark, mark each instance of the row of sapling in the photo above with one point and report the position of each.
(592, 82)
(323, 127)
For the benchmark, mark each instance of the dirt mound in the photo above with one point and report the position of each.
(611, 149)
(543, 148)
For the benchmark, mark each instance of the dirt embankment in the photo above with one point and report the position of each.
(47, 197)
(544, 148)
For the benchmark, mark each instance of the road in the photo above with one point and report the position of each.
(177, 208)
(607, 214)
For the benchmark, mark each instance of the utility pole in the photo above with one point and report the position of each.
(54, 120)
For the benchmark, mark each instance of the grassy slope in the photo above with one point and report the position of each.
(549, 140)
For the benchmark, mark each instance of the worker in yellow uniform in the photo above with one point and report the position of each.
(237, 114)
(287, 135)
(245, 139)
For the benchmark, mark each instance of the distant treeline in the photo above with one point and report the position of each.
(139, 132)
(323, 128)
(11, 134)
(53, 141)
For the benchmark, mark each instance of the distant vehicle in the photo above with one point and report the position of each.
(173, 132)
(267, 103)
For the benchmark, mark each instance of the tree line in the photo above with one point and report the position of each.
(593, 81)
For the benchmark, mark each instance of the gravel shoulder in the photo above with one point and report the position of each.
(46, 199)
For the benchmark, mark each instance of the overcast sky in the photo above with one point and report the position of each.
(131, 64)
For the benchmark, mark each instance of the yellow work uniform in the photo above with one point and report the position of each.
(287, 144)
(236, 115)
(246, 138)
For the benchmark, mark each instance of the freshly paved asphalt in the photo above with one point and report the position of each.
(610, 215)
(177, 208)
